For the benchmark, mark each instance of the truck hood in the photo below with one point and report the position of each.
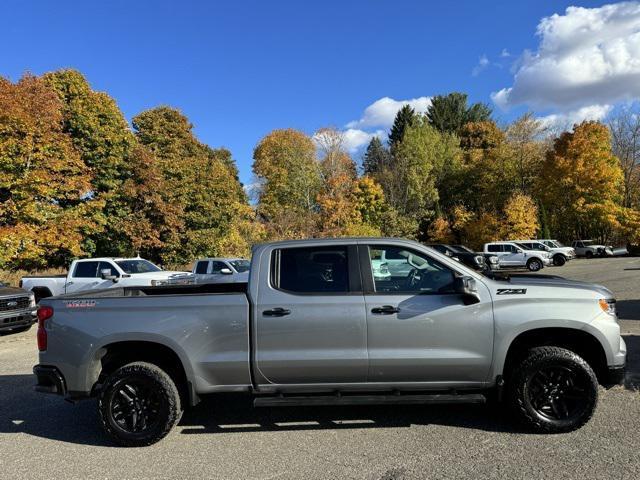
(561, 286)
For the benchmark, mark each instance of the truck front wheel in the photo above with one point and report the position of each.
(139, 404)
(553, 390)
(559, 260)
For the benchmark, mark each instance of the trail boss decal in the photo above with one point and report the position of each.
(80, 303)
(512, 291)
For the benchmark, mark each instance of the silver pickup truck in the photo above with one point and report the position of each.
(314, 326)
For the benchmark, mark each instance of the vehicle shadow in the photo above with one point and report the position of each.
(24, 411)
(628, 309)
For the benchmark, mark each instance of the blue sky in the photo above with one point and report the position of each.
(240, 69)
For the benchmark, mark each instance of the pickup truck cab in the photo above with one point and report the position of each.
(590, 249)
(99, 273)
(559, 255)
(221, 270)
(314, 326)
(512, 255)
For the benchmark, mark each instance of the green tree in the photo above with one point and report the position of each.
(449, 113)
(405, 117)
(46, 208)
(376, 157)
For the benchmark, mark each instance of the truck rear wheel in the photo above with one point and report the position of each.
(534, 265)
(553, 390)
(139, 404)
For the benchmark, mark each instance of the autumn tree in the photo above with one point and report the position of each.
(625, 143)
(46, 209)
(449, 113)
(581, 183)
(520, 218)
(440, 231)
(526, 151)
(290, 179)
(200, 185)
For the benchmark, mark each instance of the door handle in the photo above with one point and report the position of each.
(385, 310)
(69, 283)
(276, 312)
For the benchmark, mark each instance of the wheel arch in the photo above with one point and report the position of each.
(580, 342)
(111, 356)
(41, 292)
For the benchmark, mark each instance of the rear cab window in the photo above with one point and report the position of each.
(201, 267)
(86, 270)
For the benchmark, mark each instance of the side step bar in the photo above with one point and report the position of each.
(408, 399)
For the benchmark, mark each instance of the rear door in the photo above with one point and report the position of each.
(84, 276)
(418, 330)
(310, 319)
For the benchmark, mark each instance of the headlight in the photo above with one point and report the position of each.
(608, 305)
(32, 300)
(479, 260)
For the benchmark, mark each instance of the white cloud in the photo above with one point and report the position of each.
(587, 57)
(505, 53)
(382, 112)
(566, 120)
(354, 138)
(483, 62)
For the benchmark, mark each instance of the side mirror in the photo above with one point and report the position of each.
(467, 287)
(226, 271)
(105, 274)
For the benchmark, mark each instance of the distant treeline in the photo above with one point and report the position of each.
(77, 180)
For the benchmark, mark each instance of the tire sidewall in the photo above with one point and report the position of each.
(559, 260)
(532, 262)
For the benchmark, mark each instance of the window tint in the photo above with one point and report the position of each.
(137, 266)
(86, 270)
(312, 270)
(408, 272)
(107, 266)
(495, 248)
(241, 266)
(201, 267)
(509, 248)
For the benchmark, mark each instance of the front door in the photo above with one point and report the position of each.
(418, 329)
(84, 276)
(310, 318)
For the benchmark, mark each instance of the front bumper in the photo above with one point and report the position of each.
(49, 380)
(11, 320)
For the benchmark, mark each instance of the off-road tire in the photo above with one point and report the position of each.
(520, 389)
(161, 388)
(559, 260)
(588, 254)
(534, 265)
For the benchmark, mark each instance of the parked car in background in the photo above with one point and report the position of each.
(464, 255)
(590, 249)
(97, 273)
(513, 256)
(314, 327)
(221, 270)
(17, 309)
(559, 255)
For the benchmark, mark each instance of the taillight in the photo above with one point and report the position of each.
(44, 313)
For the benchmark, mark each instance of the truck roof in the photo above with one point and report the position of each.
(338, 240)
(115, 259)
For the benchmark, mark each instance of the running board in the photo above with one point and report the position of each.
(408, 399)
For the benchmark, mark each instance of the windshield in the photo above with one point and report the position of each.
(137, 266)
(461, 249)
(240, 266)
(587, 242)
(556, 243)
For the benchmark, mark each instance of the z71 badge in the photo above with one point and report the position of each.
(512, 291)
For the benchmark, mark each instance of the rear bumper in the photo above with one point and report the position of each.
(49, 380)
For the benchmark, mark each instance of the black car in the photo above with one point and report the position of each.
(462, 254)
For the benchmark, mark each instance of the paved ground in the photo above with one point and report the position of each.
(44, 437)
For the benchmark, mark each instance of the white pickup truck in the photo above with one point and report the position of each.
(96, 273)
(559, 254)
(221, 270)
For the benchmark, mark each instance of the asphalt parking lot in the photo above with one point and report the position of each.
(44, 437)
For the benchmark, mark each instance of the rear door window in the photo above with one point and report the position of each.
(311, 270)
(495, 248)
(201, 267)
(86, 270)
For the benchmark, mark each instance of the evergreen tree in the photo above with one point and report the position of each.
(405, 117)
(449, 113)
(376, 157)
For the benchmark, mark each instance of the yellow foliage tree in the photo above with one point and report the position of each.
(520, 218)
(440, 231)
